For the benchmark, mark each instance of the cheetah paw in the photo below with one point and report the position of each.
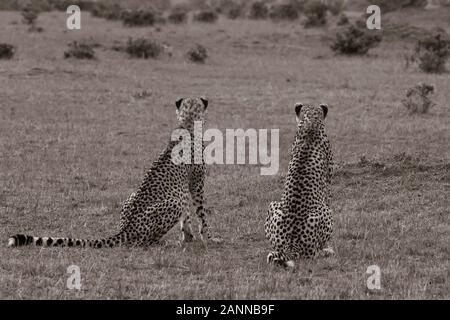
(327, 252)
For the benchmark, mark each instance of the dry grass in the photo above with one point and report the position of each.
(75, 142)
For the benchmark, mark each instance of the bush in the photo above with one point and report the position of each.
(6, 51)
(258, 10)
(178, 16)
(30, 14)
(80, 51)
(106, 10)
(335, 6)
(432, 53)
(138, 18)
(316, 14)
(229, 8)
(417, 100)
(207, 16)
(62, 5)
(284, 12)
(198, 54)
(391, 5)
(343, 20)
(143, 48)
(355, 40)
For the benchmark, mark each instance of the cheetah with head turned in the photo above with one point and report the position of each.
(160, 202)
(301, 224)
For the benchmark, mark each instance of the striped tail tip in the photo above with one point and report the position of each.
(12, 242)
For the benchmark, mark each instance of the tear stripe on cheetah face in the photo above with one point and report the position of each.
(301, 224)
(159, 203)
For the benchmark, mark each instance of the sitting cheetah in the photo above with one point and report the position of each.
(159, 203)
(301, 224)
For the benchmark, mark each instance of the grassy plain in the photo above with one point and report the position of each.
(75, 141)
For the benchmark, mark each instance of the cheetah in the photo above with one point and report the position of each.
(160, 202)
(301, 224)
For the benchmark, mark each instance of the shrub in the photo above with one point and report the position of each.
(198, 54)
(258, 10)
(391, 5)
(80, 51)
(417, 100)
(62, 5)
(355, 40)
(343, 20)
(335, 6)
(316, 14)
(177, 16)
(107, 10)
(6, 51)
(284, 12)
(432, 53)
(207, 16)
(229, 8)
(30, 14)
(138, 18)
(143, 48)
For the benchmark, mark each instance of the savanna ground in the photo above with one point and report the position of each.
(76, 140)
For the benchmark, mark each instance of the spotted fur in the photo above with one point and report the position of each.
(160, 202)
(301, 224)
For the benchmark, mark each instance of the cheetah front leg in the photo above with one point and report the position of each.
(186, 228)
(196, 188)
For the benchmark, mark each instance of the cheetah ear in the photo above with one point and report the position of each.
(324, 109)
(298, 108)
(205, 102)
(178, 103)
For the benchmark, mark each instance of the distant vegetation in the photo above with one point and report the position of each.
(79, 50)
(207, 16)
(143, 48)
(197, 54)
(6, 51)
(391, 5)
(316, 13)
(355, 40)
(432, 52)
(417, 98)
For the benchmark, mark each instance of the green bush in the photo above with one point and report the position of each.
(258, 10)
(316, 14)
(355, 40)
(6, 51)
(432, 52)
(80, 51)
(197, 54)
(283, 12)
(143, 48)
(207, 16)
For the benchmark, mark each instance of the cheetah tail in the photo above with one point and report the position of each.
(19, 240)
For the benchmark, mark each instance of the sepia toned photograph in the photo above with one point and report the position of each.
(226, 150)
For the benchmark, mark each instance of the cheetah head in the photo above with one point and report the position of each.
(190, 110)
(309, 116)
